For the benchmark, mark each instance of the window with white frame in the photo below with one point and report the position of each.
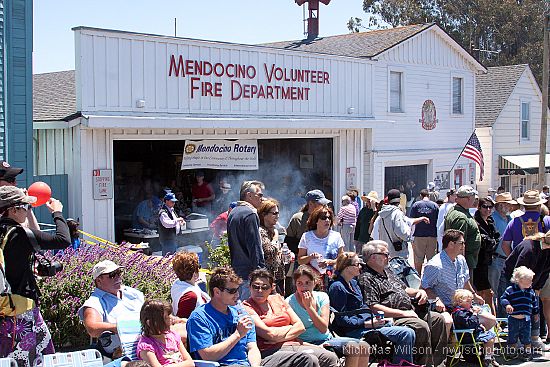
(525, 116)
(396, 91)
(458, 102)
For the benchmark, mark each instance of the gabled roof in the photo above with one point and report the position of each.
(361, 44)
(54, 96)
(493, 90)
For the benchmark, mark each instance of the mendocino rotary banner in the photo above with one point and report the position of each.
(220, 154)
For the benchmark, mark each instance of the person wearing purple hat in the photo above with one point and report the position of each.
(24, 334)
(169, 224)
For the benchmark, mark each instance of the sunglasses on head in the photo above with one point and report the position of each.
(114, 274)
(230, 290)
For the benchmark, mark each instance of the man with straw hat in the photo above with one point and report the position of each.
(362, 234)
(530, 223)
(501, 217)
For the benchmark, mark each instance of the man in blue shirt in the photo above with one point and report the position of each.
(223, 332)
(425, 234)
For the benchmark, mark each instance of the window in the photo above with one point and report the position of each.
(525, 120)
(396, 91)
(458, 107)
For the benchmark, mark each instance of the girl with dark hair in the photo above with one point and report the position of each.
(159, 346)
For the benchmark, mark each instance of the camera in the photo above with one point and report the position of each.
(47, 268)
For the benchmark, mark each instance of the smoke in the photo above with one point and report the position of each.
(283, 181)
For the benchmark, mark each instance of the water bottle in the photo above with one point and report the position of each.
(287, 256)
(242, 312)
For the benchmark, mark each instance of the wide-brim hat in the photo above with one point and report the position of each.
(531, 197)
(373, 195)
(505, 197)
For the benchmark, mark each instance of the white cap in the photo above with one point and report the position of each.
(104, 267)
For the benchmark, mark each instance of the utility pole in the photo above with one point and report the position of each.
(544, 118)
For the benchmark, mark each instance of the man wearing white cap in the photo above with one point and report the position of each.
(109, 301)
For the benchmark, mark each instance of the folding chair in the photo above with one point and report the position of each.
(129, 331)
(502, 334)
(465, 342)
(8, 362)
(82, 358)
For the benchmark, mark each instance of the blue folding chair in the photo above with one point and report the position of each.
(129, 332)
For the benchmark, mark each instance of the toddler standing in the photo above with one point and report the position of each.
(521, 304)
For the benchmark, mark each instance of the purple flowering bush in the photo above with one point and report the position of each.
(64, 293)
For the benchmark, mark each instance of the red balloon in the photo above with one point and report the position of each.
(41, 191)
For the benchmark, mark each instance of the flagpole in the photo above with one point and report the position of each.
(464, 147)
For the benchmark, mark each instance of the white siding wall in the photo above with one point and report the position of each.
(116, 69)
(428, 64)
(507, 138)
(491, 161)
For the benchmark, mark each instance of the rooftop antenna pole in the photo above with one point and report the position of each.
(175, 26)
(313, 20)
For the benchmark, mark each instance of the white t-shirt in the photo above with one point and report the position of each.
(328, 246)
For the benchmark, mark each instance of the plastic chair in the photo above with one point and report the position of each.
(8, 362)
(82, 358)
(460, 346)
(129, 332)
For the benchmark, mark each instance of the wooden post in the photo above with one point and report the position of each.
(544, 118)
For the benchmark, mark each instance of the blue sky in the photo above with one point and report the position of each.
(240, 21)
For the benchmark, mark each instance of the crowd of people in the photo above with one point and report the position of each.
(333, 295)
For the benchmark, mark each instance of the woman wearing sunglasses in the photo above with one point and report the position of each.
(277, 325)
(489, 242)
(345, 295)
(32, 338)
(269, 215)
(320, 245)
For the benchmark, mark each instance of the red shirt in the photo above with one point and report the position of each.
(202, 192)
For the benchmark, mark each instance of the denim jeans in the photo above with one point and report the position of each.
(519, 328)
(402, 337)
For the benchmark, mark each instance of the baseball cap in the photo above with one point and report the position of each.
(12, 196)
(170, 196)
(394, 196)
(317, 196)
(104, 267)
(8, 172)
(465, 191)
(451, 192)
(431, 185)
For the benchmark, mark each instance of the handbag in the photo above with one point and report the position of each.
(403, 363)
(397, 245)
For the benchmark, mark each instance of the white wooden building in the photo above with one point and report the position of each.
(388, 106)
(508, 116)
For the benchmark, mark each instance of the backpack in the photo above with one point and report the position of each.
(408, 274)
(10, 304)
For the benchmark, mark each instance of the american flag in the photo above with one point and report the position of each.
(472, 151)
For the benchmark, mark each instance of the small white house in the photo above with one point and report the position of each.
(508, 117)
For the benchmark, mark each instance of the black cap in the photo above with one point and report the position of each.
(394, 196)
(8, 172)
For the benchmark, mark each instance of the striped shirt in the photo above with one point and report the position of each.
(524, 301)
(347, 214)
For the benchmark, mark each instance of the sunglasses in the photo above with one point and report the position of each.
(325, 217)
(460, 242)
(230, 290)
(258, 287)
(487, 206)
(274, 213)
(114, 274)
(23, 206)
(385, 254)
(358, 265)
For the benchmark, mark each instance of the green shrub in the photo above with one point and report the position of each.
(218, 256)
(64, 293)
